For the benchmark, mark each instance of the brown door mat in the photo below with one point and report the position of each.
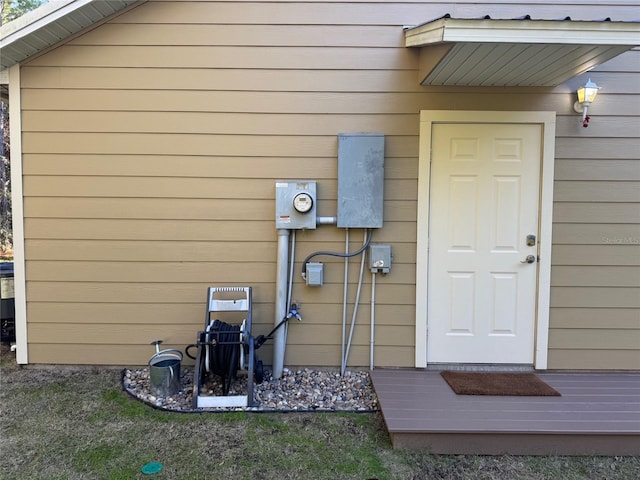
(498, 383)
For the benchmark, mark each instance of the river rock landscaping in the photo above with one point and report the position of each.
(297, 390)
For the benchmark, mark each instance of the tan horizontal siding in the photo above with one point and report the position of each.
(599, 169)
(329, 355)
(597, 191)
(193, 314)
(607, 254)
(168, 251)
(261, 270)
(583, 317)
(610, 126)
(588, 359)
(179, 334)
(611, 297)
(596, 234)
(214, 123)
(184, 230)
(582, 212)
(591, 276)
(191, 144)
(219, 34)
(594, 339)
(597, 148)
(358, 13)
(264, 124)
(195, 188)
(178, 209)
(200, 166)
(198, 56)
(152, 143)
(192, 292)
(320, 355)
(309, 102)
(238, 79)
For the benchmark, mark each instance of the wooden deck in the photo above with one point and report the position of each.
(598, 413)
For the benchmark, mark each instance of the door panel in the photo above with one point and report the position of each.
(484, 202)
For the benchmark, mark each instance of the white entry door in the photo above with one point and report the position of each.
(483, 242)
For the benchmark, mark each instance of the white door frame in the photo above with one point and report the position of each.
(548, 122)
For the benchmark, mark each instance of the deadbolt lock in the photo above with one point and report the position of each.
(531, 240)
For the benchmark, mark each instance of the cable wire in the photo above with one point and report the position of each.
(337, 254)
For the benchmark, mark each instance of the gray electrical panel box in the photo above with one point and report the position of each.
(360, 180)
(295, 204)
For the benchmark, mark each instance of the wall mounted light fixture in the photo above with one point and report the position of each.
(586, 96)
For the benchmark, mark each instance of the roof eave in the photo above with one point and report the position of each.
(566, 32)
(48, 25)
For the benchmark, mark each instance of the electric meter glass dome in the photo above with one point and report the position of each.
(303, 202)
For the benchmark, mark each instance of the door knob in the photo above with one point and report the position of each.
(529, 259)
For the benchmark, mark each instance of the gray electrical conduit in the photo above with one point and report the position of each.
(283, 294)
(372, 340)
(355, 308)
(344, 302)
(346, 255)
(292, 260)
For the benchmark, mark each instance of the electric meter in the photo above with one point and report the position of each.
(295, 204)
(303, 202)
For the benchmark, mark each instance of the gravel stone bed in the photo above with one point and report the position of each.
(297, 390)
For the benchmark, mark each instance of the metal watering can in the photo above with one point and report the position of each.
(164, 371)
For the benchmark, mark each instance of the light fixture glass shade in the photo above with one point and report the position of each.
(587, 94)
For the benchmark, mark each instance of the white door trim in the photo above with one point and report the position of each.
(548, 122)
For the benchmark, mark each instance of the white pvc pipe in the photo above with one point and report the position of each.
(372, 340)
(279, 339)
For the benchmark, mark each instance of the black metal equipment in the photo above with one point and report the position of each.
(224, 348)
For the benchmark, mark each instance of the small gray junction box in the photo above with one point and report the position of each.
(360, 180)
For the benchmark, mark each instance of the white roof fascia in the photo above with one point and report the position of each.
(36, 19)
(52, 23)
(564, 32)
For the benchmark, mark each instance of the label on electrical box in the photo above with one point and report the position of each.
(284, 219)
(282, 185)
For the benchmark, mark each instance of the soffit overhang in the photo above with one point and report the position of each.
(515, 52)
(50, 24)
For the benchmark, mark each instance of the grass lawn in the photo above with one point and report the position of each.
(62, 423)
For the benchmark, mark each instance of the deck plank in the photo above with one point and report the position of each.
(596, 413)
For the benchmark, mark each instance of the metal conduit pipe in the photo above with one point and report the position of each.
(326, 220)
(279, 339)
(372, 340)
(355, 307)
(344, 303)
(292, 262)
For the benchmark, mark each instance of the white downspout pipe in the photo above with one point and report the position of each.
(279, 339)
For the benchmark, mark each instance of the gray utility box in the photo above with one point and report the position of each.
(360, 180)
(295, 204)
(380, 257)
